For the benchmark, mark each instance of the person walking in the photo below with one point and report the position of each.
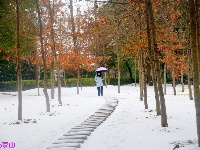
(99, 83)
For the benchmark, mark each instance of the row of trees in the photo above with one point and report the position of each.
(152, 33)
(44, 34)
(151, 37)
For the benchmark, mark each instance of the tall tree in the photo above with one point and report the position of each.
(43, 57)
(157, 66)
(51, 12)
(152, 62)
(188, 51)
(195, 64)
(75, 42)
(19, 74)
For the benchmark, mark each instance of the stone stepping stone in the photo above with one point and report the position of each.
(107, 108)
(69, 141)
(65, 148)
(76, 145)
(104, 111)
(112, 105)
(90, 124)
(73, 137)
(78, 133)
(96, 119)
(81, 129)
(99, 115)
(93, 121)
(85, 126)
(76, 136)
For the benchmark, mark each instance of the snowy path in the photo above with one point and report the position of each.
(129, 127)
(78, 134)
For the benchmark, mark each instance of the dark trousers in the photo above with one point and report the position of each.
(100, 90)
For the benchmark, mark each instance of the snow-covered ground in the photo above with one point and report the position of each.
(129, 127)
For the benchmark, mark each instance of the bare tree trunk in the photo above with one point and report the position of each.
(160, 89)
(189, 75)
(189, 53)
(165, 78)
(141, 75)
(78, 80)
(172, 68)
(145, 92)
(157, 98)
(19, 74)
(79, 69)
(182, 83)
(59, 84)
(43, 59)
(170, 48)
(104, 61)
(152, 63)
(118, 69)
(141, 78)
(149, 74)
(105, 79)
(173, 80)
(52, 80)
(37, 72)
(65, 82)
(95, 24)
(145, 82)
(135, 71)
(195, 65)
(198, 34)
(75, 41)
(54, 51)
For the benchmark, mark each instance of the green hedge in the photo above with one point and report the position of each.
(8, 86)
(123, 81)
(12, 85)
(72, 82)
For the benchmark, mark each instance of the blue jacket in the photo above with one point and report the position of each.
(99, 81)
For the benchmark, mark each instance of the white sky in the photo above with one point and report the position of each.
(129, 127)
(83, 4)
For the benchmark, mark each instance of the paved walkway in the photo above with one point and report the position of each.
(77, 135)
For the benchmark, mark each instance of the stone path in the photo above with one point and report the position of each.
(76, 136)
